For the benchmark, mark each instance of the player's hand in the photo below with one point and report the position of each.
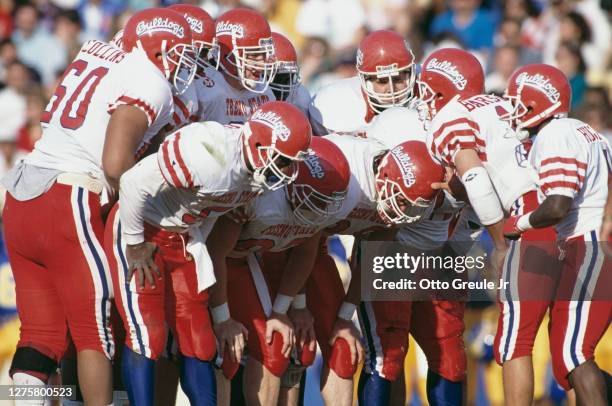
(511, 228)
(233, 335)
(605, 234)
(303, 324)
(140, 261)
(346, 330)
(281, 323)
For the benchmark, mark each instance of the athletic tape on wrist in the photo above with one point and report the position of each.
(282, 303)
(346, 311)
(220, 313)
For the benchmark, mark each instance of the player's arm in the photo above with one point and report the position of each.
(484, 201)
(125, 131)
(135, 187)
(297, 270)
(606, 224)
(220, 242)
(343, 326)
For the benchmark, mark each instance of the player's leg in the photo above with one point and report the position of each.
(142, 312)
(265, 363)
(385, 326)
(437, 326)
(189, 320)
(324, 296)
(42, 340)
(578, 324)
(530, 268)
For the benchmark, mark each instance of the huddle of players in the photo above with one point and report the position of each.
(169, 181)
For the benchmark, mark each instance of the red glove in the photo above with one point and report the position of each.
(511, 229)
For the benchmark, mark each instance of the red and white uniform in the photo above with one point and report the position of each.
(64, 277)
(438, 325)
(173, 199)
(474, 123)
(100, 79)
(573, 160)
(185, 108)
(340, 107)
(219, 101)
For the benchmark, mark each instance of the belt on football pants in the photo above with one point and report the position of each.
(81, 180)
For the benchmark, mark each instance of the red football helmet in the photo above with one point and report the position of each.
(386, 55)
(162, 32)
(446, 73)
(275, 137)
(321, 184)
(202, 29)
(403, 183)
(244, 48)
(537, 92)
(287, 78)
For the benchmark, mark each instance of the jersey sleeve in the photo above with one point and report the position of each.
(149, 93)
(172, 163)
(560, 162)
(452, 134)
(137, 185)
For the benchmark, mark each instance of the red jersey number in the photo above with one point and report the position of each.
(87, 85)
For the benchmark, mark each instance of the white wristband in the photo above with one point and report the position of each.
(299, 301)
(220, 313)
(483, 197)
(346, 311)
(282, 303)
(523, 223)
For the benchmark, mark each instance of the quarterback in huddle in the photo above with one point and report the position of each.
(172, 225)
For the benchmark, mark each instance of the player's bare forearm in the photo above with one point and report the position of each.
(220, 243)
(551, 211)
(125, 131)
(496, 231)
(299, 266)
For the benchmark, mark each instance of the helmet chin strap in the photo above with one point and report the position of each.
(164, 53)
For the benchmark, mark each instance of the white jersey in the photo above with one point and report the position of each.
(573, 160)
(340, 108)
(474, 123)
(185, 108)
(219, 101)
(359, 213)
(100, 79)
(301, 99)
(271, 225)
(428, 233)
(198, 173)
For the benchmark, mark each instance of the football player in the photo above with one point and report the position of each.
(468, 132)
(107, 107)
(243, 49)
(386, 78)
(286, 225)
(286, 83)
(573, 165)
(436, 325)
(168, 205)
(384, 203)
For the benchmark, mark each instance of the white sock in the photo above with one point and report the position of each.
(20, 378)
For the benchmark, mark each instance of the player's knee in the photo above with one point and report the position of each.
(273, 358)
(30, 360)
(340, 360)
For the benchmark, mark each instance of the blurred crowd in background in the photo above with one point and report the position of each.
(38, 39)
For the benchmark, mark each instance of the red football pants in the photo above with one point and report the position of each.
(174, 302)
(62, 277)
